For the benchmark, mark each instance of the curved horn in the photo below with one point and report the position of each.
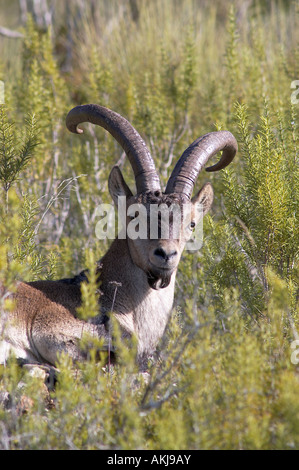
(146, 176)
(194, 158)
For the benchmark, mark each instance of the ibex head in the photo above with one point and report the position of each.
(158, 256)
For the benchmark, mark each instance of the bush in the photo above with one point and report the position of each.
(227, 377)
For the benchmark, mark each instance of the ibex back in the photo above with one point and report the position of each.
(44, 322)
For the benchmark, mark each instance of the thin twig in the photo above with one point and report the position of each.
(117, 284)
(9, 33)
(55, 197)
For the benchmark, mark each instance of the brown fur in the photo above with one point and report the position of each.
(140, 294)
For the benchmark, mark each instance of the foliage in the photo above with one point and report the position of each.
(225, 378)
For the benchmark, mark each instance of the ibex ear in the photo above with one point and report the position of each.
(205, 197)
(117, 185)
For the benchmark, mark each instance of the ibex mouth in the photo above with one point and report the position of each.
(157, 281)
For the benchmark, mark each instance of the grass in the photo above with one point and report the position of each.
(228, 377)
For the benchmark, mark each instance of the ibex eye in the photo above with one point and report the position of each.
(192, 225)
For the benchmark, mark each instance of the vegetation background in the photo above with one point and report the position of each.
(177, 69)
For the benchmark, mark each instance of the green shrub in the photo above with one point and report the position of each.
(225, 378)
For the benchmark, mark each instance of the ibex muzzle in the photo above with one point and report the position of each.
(44, 322)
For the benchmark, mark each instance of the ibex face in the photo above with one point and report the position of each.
(137, 274)
(168, 221)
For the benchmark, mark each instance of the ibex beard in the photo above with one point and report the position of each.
(45, 321)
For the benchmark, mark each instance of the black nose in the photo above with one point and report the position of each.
(162, 254)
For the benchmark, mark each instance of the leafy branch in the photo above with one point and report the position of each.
(15, 150)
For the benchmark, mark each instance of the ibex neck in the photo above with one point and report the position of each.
(123, 284)
(126, 291)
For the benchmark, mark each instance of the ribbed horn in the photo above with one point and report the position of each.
(146, 176)
(194, 158)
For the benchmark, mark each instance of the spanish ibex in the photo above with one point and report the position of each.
(44, 321)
